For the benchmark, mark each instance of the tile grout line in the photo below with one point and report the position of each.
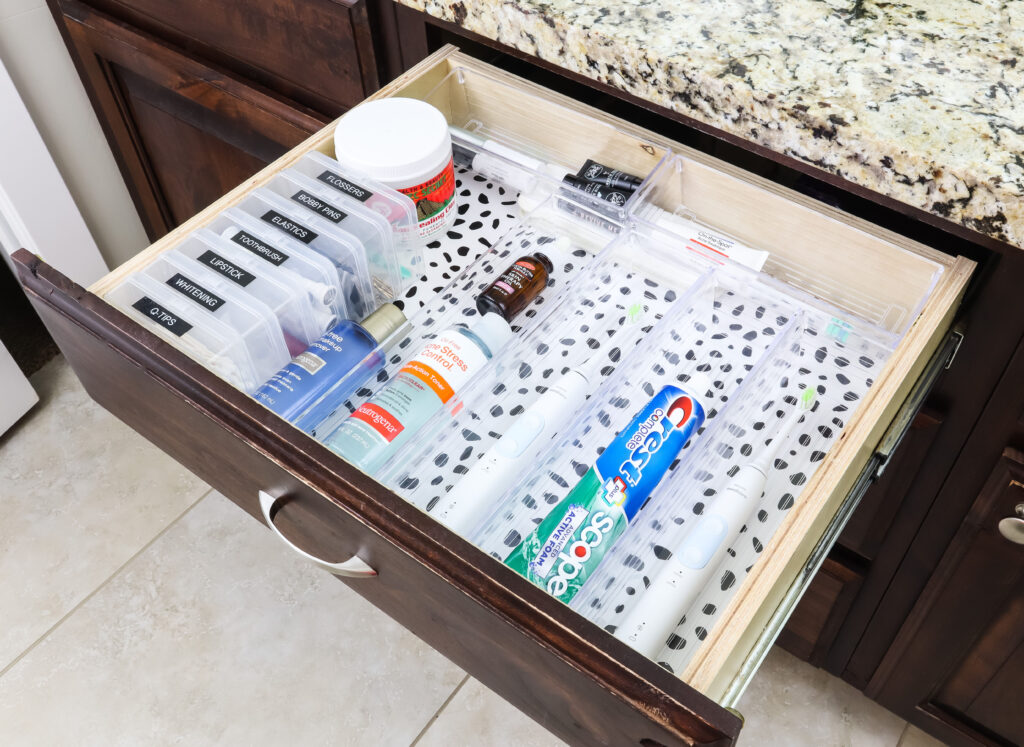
(103, 584)
(437, 713)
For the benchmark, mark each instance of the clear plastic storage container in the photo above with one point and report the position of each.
(398, 209)
(317, 275)
(370, 227)
(280, 290)
(343, 249)
(199, 334)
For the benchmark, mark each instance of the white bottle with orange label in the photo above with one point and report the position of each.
(382, 424)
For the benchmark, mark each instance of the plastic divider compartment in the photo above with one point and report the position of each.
(456, 304)
(289, 296)
(890, 296)
(195, 332)
(680, 344)
(809, 362)
(398, 209)
(543, 132)
(343, 249)
(597, 324)
(368, 226)
(316, 273)
(252, 319)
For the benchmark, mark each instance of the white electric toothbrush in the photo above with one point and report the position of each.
(673, 589)
(465, 505)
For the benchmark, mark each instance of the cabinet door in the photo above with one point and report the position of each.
(317, 52)
(183, 132)
(959, 659)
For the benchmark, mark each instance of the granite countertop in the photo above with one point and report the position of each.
(921, 100)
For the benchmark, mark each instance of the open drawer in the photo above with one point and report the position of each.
(569, 674)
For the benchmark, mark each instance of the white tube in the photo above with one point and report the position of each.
(465, 505)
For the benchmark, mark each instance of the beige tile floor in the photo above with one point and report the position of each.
(139, 607)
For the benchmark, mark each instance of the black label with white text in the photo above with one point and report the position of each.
(344, 185)
(172, 322)
(225, 268)
(259, 248)
(196, 292)
(303, 234)
(314, 203)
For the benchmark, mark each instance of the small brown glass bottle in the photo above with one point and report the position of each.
(515, 288)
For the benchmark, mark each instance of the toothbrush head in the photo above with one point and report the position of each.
(807, 399)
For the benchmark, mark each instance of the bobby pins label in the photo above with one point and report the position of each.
(259, 248)
(300, 232)
(196, 292)
(330, 212)
(343, 184)
(225, 268)
(173, 323)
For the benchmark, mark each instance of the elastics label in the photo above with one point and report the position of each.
(303, 234)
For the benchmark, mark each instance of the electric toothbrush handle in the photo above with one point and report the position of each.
(658, 611)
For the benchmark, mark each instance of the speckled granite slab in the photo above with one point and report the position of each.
(920, 100)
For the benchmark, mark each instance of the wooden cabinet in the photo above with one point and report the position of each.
(184, 131)
(959, 658)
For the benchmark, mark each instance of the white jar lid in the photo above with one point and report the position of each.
(395, 140)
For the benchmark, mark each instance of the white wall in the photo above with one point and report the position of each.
(33, 52)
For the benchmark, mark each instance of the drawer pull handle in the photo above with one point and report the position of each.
(1012, 527)
(354, 567)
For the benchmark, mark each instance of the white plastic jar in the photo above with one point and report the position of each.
(405, 144)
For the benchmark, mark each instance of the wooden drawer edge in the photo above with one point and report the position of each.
(783, 559)
(616, 668)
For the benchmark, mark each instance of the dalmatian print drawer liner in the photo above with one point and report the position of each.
(641, 326)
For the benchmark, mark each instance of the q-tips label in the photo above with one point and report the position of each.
(562, 552)
(158, 314)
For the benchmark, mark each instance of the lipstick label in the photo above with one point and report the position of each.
(216, 262)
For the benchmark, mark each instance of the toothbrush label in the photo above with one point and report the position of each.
(259, 248)
(317, 205)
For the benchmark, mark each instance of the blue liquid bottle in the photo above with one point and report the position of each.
(296, 392)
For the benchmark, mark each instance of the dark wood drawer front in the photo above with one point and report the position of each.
(568, 674)
(816, 620)
(317, 52)
(184, 132)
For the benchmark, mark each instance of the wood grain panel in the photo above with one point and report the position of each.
(318, 53)
(956, 660)
(129, 73)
